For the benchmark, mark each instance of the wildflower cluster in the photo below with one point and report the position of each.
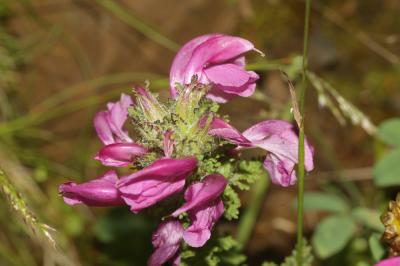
(184, 146)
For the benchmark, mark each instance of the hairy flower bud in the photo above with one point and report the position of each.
(149, 105)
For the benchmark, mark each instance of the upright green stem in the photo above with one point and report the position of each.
(249, 217)
(300, 169)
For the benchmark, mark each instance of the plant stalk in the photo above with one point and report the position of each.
(249, 217)
(300, 169)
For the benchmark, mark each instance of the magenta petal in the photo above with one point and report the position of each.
(202, 193)
(120, 154)
(166, 241)
(221, 94)
(215, 50)
(118, 113)
(216, 59)
(279, 137)
(176, 261)
(155, 182)
(395, 261)
(222, 129)
(203, 221)
(228, 75)
(103, 128)
(109, 124)
(97, 192)
(245, 90)
(281, 170)
(181, 60)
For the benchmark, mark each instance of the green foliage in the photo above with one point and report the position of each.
(332, 235)
(336, 231)
(386, 170)
(376, 247)
(224, 251)
(318, 201)
(291, 260)
(389, 131)
(240, 176)
(369, 218)
(231, 203)
(247, 173)
(307, 257)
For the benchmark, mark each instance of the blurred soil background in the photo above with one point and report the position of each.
(61, 60)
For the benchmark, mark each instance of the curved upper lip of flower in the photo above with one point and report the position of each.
(208, 57)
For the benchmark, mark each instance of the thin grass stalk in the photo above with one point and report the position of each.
(41, 231)
(300, 169)
(249, 217)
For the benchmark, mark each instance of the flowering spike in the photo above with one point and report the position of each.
(179, 143)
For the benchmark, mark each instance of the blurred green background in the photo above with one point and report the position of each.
(62, 60)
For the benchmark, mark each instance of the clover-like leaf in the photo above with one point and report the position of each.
(332, 235)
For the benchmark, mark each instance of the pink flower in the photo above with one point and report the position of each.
(97, 192)
(155, 182)
(277, 137)
(119, 154)
(395, 261)
(109, 124)
(204, 206)
(119, 149)
(166, 241)
(215, 59)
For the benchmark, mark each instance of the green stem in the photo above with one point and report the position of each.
(249, 217)
(300, 169)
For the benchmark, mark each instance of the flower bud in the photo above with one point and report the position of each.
(97, 192)
(149, 105)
